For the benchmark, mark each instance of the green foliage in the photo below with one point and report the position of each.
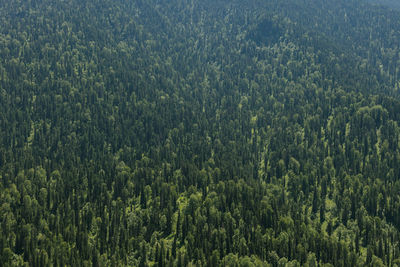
(199, 133)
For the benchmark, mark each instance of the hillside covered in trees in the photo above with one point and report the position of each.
(199, 133)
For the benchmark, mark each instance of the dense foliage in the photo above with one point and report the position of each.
(388, 3)
(199, 133)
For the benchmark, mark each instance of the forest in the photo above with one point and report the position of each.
(199, 133)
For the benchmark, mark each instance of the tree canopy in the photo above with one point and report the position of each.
(199, 133)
